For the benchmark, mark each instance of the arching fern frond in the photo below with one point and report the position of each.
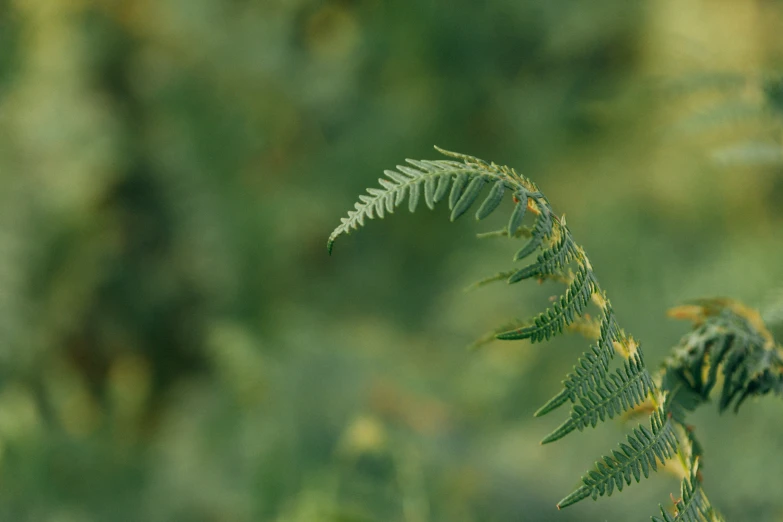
(728, 340)
(595, 391)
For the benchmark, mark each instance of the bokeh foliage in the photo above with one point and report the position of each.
(175, 343)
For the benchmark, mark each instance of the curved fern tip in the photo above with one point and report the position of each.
(330, 245)
(580, 494)
(553, 403)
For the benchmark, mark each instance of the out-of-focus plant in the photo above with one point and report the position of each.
(738, 115)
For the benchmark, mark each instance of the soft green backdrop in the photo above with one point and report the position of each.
(175, 343)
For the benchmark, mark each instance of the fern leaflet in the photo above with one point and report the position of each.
(608, 397)
(563, 313)
(644, 449)
(590, 369)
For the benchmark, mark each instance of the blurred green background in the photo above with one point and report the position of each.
(175, 343)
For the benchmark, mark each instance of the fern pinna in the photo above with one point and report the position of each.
(729, 340)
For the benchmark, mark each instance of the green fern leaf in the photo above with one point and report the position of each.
(541, 232)
(591, 369)
(468, 197)
(622, 391)
(565, 310)
(469, 160)
(735, 373)
(596, 393)
(413, 198)
(550, 261)
(644, 449)
(518, 214)
(429, 192)
(718, 349)
(728, 339)
(494, 198)
(589, 372)
(457, 188)
(443, 188)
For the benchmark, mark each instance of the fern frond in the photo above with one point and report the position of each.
(596, 392)
(605, 398)
(644, 449)
(729, 341)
